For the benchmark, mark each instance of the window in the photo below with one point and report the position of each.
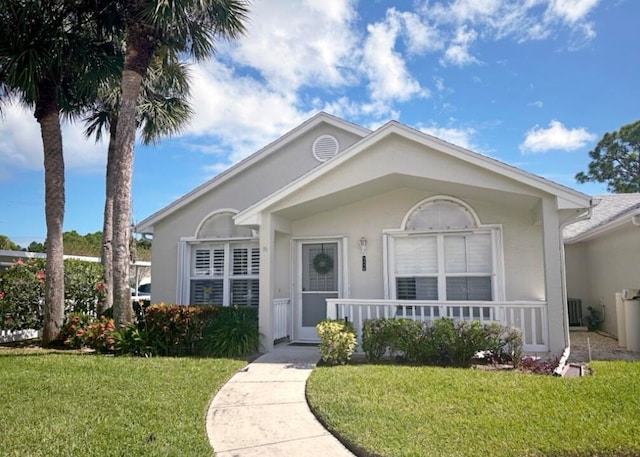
(225, 274)
(443, 266)
(442, 252)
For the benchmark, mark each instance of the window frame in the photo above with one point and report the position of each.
(497, 273)
(441, 273)
(227, 276)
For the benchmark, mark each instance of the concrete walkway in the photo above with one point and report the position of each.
(262, 410)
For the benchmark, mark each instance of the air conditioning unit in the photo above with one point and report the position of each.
(630, 294)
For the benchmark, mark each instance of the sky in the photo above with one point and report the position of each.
(533, 83)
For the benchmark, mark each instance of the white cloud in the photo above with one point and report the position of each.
(522, 20)
(536, 104)
(21, 144)
(421, 37)
(458, 51)
(389, 79)
(293, 44)
(571, 11)
(459, 136)
(240, 114)
(556, 136)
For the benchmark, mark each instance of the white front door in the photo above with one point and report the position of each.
(318, 280)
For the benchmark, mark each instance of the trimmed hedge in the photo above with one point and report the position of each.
(443, 342)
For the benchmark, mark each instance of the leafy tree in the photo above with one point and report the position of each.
(51, 54)
(34, 246)
(184, 27)
(616, 160)
(163, 110)
(7, 244)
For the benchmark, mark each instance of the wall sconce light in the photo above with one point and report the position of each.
(363, 248)
(363, 245)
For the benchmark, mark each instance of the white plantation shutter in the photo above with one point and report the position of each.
(225, 274)
(240, 261)
(416, 255)
(218, 261)
(201, 262)
(255, 260)
(207, 292)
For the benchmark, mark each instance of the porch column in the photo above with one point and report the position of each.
(267, 282)
(553, 275)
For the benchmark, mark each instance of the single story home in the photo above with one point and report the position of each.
(335, 220)
(602, 259)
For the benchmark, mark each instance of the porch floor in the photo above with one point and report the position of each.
(602, 348)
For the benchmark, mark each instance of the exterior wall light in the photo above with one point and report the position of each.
(363, 245)
(363, 248)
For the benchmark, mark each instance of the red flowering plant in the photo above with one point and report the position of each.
(73, 332)
(100, 335)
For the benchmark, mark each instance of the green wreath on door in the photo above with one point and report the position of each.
(322, 263)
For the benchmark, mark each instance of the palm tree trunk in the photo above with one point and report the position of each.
(137, 59)
(107, 225)
(47, 115)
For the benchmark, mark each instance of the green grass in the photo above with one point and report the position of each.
(65, 404)
(396, 411)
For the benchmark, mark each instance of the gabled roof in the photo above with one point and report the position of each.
(567, 198)
(146, 225)
(611, 211)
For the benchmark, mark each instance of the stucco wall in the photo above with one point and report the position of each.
(611, 264)
(245, 189)
(522, 241)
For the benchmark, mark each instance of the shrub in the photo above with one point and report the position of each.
(73, 331)
(512, 344)
(442, 342)
(233, 333)
(22, 291)
(100, 335)
(177, 330)
(83, 286)
(374, 339)
(132, 340)
(22, 295)
(337, 341)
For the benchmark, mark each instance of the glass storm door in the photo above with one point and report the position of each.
(319, 270)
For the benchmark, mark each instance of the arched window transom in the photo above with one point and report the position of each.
(441, 215)
(221, 225)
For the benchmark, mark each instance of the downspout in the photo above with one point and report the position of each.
(565, 315)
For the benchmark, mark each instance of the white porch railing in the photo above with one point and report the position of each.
(7, 336)
(529, 316)
(281, 318)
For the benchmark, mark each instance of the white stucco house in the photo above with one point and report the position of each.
(333, 219)
(603, 258)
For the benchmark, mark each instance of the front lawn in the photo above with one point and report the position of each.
(67, 404)
(397, 411)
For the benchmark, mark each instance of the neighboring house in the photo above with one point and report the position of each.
(602, 256)
(335, 220)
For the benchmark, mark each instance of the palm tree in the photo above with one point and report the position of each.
(50, 56)
(187, 27)
(163, 110)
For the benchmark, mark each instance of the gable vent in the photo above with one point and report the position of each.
(325, 147)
